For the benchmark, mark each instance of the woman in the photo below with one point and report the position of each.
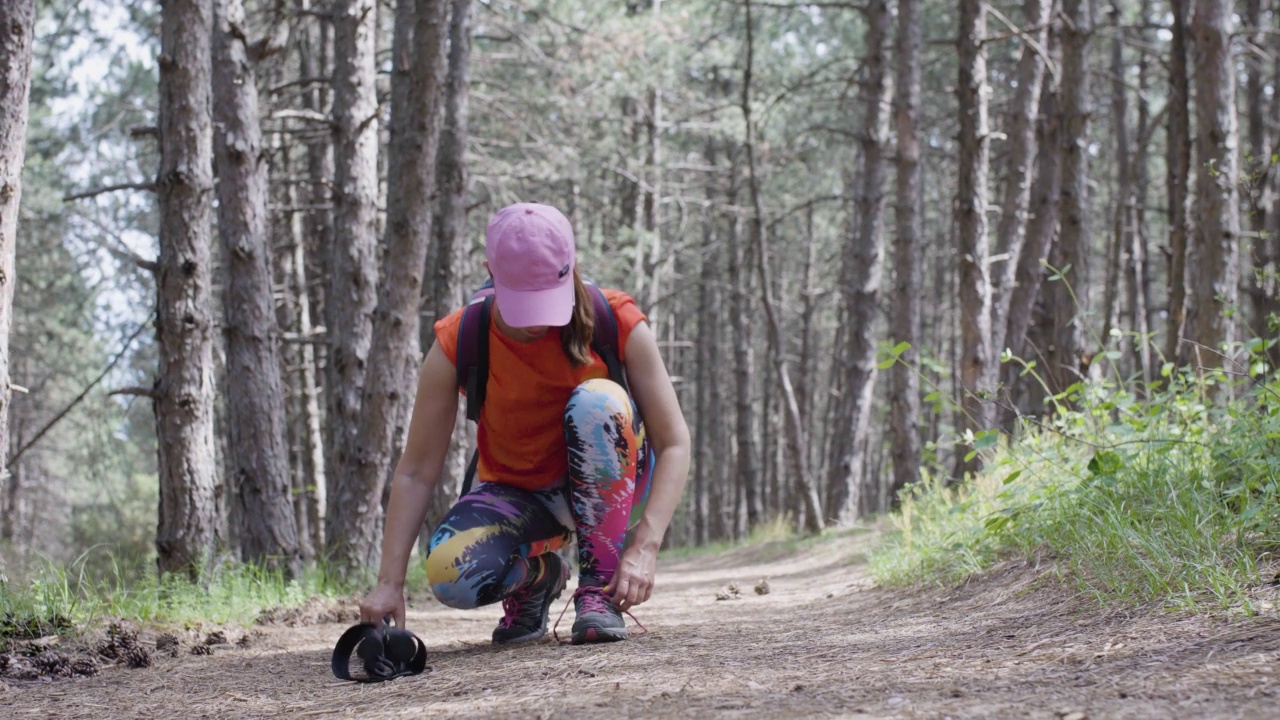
(560, 448)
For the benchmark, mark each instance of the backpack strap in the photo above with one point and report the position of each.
(473, 353)
(604, 339)
(473, 368)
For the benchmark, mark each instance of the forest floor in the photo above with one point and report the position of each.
(823, 642)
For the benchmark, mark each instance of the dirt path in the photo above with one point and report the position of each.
(821, 643)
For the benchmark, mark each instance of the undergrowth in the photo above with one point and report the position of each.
(56, 599)
(1171, 498)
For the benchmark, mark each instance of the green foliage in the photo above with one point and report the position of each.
(58, 598)
(1174, 499)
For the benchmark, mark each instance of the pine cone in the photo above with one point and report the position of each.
(51, 663)
(201, 650)
(166, 641)
(85, 666)
(137, 658)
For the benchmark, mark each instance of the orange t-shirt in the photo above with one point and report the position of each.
(521, 429)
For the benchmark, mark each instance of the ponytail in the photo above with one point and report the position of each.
(576, 337)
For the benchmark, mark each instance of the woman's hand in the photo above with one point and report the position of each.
(632, 582)
(386, 600)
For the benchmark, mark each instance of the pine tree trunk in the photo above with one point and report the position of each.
(394, 355)
(907, 301)
(1178, 164)
(976, 363)
(1122, 194)
(315, 253)
(1068, 295)
(353, 272)
(1214, 259)
(809, 354)
(1261, 282)
(860, 279)
(1138, 271)
(1041, 231)
(796, 431)
(259, 455)
(17, 33)
(705, 370)
(1271, 204)
(748, 474)
(184, 395)
(447, 255)
(1012, 229)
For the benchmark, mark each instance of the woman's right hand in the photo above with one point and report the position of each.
(386, 600)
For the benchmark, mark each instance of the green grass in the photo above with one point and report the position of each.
(1173, 500)
(776, 538)
(56, 599)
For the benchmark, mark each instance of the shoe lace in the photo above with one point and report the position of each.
(593, 599)
(515, 607)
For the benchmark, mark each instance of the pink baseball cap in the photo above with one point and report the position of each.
(531, 255)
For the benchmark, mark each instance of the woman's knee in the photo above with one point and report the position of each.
(596, 401)
(459, 576)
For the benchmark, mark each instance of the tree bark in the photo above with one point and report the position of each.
(353, 265)
(1261, 284)
(1041, 231)
(797, 437)
(860, 278)
(394, 355)
(446, 258)
(1214, 267)
(1137, 269)
(1068, 294)
(809, 354)
(1178, 164)
(17, 33)
(976, 361)
(184, 395)
(446, 255)
(705, 367)
(259, 455)
(1271, 203)
(1122, 205)
(1012, 229)
(748, 474)
(314, 52)
(908, 271)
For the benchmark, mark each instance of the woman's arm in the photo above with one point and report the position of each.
(664, 423)
(415, 479)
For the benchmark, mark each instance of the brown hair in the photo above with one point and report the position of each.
(576, 337)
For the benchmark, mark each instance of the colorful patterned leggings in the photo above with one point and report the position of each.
(492, 541)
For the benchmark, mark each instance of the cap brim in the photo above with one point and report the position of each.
(552, 307)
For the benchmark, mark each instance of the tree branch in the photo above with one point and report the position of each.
(299, 114)
(134, 390)
(83, 394)
(150, 187)
(1025, 36)
(860, 7)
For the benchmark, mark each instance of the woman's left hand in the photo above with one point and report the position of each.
(632, 582)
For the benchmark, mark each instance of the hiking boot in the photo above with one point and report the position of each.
(525, 611)
(599, 620)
